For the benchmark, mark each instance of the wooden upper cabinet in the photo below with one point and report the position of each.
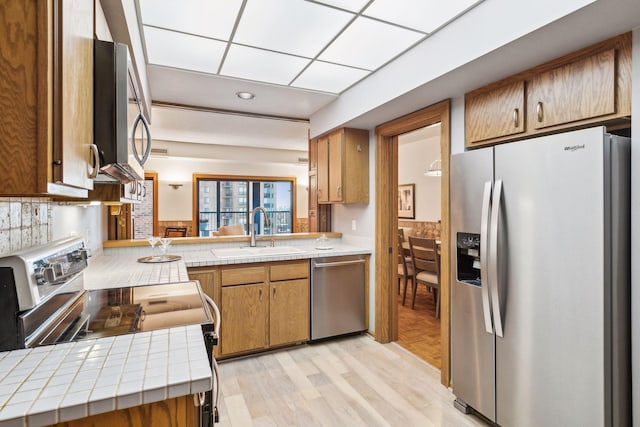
(576, 91)
(323, 170)
(313, 154)
(589, 87)
(73, 80)
(343, 167)
(46, 62)
(495, 113)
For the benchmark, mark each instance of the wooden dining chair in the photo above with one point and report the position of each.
(426, 266)
(175, 232)
(405, 270)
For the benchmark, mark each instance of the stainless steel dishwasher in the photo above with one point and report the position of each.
(337, 296)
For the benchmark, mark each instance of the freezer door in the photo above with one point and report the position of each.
(550, 361)
(472, 347)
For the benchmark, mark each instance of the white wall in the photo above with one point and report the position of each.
(175, 205)
(414, 159)
(88, 222)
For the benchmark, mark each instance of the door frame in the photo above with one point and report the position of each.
(153, 177)
(386, 228)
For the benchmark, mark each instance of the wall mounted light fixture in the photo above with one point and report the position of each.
(175, 186)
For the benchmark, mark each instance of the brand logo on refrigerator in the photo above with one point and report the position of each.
(574, 147)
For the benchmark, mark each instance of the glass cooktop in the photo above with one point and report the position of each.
(118, 311)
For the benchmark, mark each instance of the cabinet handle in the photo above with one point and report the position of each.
(516, 116)
(340, 191)
(260, 295)
(95, 161)
(274, 293)
(132, 187)
(144, 191)
(140, 187)
(539, 111)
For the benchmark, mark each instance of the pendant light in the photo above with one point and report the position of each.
(435, 168)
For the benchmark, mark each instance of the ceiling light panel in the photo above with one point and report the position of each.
(209, 18)
(369, 44)
(290, 26)
(422, 15)
(262, 65)
(182, 50)
(352, 5)
(327, 77)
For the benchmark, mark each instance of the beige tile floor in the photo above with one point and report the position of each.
(347, 382)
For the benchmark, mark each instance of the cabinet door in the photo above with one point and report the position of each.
(73, 109)
(244, 311)
(576, 91)
(495, 113)
(336, 151)
(289, 312)
(313, 202)
(323, 170)
(313, 154)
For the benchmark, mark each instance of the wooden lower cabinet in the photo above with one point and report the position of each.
(289, 312)
(176, 412)
(244, 310)
(263, 305)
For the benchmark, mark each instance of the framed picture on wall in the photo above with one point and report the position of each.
(407, 201)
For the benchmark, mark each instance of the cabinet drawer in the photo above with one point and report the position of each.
(243, 275)
(290, 270)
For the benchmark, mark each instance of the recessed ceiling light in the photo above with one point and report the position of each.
(245, 95)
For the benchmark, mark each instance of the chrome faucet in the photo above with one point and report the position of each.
(252, 233)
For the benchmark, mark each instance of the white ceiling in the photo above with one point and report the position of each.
(324, 46)
(296, 56)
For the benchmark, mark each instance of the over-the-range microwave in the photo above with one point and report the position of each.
(113, 133)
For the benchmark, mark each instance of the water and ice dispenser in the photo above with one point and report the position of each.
(468, 258)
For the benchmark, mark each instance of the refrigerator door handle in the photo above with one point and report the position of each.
(484, 257)
(493, 257)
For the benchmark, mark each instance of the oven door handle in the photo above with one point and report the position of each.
(214, 363)
(216, 312)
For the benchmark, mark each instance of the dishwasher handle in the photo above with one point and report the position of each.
(338, 263)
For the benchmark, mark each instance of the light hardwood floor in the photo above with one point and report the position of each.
(353, 381)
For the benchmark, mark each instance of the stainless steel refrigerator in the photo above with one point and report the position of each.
(540, 296)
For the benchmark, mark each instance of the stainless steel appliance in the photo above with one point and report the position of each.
(337, 296)
(540, 310)
(42, 301)
(113, 90)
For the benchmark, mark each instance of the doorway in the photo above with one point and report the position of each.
(386, 228)
(419, 171)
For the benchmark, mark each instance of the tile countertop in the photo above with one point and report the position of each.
(57, 383)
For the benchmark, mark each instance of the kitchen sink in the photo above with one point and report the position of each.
(247, 251)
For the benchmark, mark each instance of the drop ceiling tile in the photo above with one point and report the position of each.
(422, 15)
(326, 77)
(202, 17)
(369, 44)
(262, 65)
(182, 50)
(290, 26)
(352, 5)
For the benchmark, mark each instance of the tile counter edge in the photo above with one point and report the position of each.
(51, 384)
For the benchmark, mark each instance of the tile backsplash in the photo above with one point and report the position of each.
(24, 222)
